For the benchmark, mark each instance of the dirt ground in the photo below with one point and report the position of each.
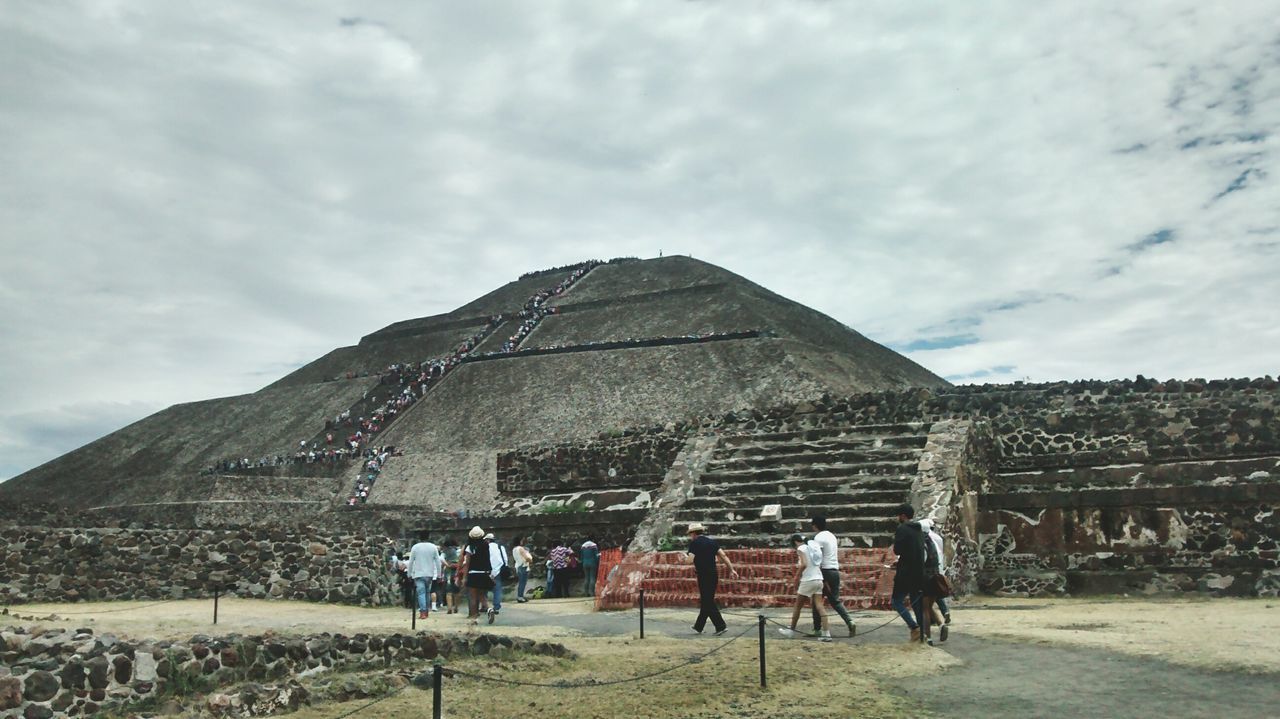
(1015, 658)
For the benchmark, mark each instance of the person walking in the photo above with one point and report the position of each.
(589, 554)
(908, 580)
(703, 552)
(808, 587)
(522, 560)
(501, 565)
(936, 587)
(826, 542)
(424, 562)
(477, 572)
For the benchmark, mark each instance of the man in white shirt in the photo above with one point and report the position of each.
(826, 541)
(498, 560)
(424, 562)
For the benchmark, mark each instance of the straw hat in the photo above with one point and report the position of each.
(476, 533)
(696, 527)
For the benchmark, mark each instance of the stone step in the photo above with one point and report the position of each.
(869, 457)
(778, 474)
(870, 497)
(809, 435)
(774, 541)
(721, 526)
(795, 485)
(1191, 472)
(851, 442)
(751, 510)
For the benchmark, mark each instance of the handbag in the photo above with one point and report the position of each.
(941, 586)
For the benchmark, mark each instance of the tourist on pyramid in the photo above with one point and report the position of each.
(808, 587)
(826, 541)
(477, 570)
(908, 580)
(424, 562)
(703, 553)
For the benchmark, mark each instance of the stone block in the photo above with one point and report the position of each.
(41, 686)
(11, 690)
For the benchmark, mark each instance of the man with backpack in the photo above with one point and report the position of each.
(936, 585)
(908, 580)
(808, 587)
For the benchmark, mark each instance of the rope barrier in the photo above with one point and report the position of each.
(596, 682)
(124, 609)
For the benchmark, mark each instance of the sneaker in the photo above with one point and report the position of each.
(947, 617)
(942, 633)
(788, 633)
(493, 614)
(826, 637)
(696, 630)
(853, 629)
(721, 630)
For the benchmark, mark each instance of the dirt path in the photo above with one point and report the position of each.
(1006, 658)
(1000, 678)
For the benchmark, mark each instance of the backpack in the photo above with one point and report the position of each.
(505, 571)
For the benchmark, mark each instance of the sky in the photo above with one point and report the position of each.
(197, 198)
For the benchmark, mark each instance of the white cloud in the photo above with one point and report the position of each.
(197, 198)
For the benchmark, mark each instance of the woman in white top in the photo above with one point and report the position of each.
(808, 587)
(522, 559)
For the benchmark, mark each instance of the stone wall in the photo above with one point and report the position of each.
(55, 672)
(40, 564)
(635, 459)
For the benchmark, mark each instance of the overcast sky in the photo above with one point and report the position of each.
(196, 198)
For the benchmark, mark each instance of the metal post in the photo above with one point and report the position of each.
(642, 614)
(437, 701)
(762, 679)
(215, 606)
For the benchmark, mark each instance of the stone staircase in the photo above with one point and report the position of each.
(855, 476)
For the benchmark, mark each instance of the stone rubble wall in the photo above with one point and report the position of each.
(56, 673)
(637, 459)
(41, 564)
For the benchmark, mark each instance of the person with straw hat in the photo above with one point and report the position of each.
(477, 569)
(703, 553)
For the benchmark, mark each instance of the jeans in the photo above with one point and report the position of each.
(560, 582)
(589, 580)
(942, 606)
(831, 590)
(522, 575)
(917, 605)
(422, 585)
(497, 593)
(707, 608)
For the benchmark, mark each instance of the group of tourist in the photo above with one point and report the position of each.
(433, 574)
(535, 309)
(374, 459)
(920, 586)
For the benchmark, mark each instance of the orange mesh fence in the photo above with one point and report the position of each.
(766, 578)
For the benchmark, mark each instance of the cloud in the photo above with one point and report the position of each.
(196, 201)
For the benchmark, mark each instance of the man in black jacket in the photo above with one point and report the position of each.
(908, 581)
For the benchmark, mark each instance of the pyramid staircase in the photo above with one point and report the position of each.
(855, 476)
